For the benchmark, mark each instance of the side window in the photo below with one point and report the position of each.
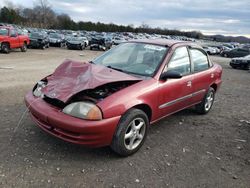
(12, 32)
(199, 60)
(179, 61)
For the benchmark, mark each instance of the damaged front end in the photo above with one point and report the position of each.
(83, 105)
(76, 88)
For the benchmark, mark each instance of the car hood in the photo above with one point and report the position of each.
(241, 58)
(74, 42)
(3, 37)
(72, 77)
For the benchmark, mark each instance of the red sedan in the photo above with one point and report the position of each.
(112, 100)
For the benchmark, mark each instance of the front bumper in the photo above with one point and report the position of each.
(74, 46)
(238, 64)
(68, 128)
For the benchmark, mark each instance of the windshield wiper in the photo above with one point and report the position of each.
(91, 62)
(115, 68)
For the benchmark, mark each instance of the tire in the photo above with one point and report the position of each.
(225, 55)
(205, 106)
(91, 48)
(24, 47)
(43, 47)
(5, 48)
(133, 125)
(247, 67)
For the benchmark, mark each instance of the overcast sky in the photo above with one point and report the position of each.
(210, 17)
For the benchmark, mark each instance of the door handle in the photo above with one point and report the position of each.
(189, 83)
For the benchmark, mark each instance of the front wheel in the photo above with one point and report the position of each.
(207, 102)
(5, 48)
(131, 132)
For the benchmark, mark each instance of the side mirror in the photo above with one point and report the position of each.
(170, 74)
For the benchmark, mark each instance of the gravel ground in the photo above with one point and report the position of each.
(183, 150)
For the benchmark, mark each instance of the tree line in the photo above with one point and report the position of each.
(43, 16)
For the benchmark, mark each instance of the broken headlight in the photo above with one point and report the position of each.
(83, 110)
(38, 90)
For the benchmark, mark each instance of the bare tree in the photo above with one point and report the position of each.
(45, 15)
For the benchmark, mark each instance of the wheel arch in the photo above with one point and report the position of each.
(214, 86)
(145, 108)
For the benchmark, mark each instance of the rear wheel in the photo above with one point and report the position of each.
(24, 47)
(225, 55)
(5, 48)
(207, 102)
(131, 132)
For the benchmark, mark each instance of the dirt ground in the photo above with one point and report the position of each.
(183, 150)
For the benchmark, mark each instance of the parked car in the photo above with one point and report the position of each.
(56, 39)
(76, 43)
(237, 52)
(100, 43)
(210, 50)
(112, 99)
(38, 40)
(9, 39)
(240, 62)
(118, 40)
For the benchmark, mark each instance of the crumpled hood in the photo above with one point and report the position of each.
(72, 77)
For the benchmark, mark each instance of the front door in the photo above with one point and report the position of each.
(14, 40)
(176, 94)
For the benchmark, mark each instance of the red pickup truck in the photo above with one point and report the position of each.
(9, 39)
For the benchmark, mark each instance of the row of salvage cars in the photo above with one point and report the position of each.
(113, 99)
(43, 40)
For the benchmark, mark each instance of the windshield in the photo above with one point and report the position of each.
(54, 35)
(76, 39)
(36, 35)
(3, 32)
(135, 58)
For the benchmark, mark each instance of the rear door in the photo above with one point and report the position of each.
(175, 94)
(203, 74)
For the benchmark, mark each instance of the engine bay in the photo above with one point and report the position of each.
(101, 92)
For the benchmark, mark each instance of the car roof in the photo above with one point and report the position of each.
(6, 27)
(165, 42)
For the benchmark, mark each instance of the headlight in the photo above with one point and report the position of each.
(83, 110)
(38, 91)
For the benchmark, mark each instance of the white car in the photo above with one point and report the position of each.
(210, 50)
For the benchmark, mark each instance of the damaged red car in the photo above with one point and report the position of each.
(112, 100)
